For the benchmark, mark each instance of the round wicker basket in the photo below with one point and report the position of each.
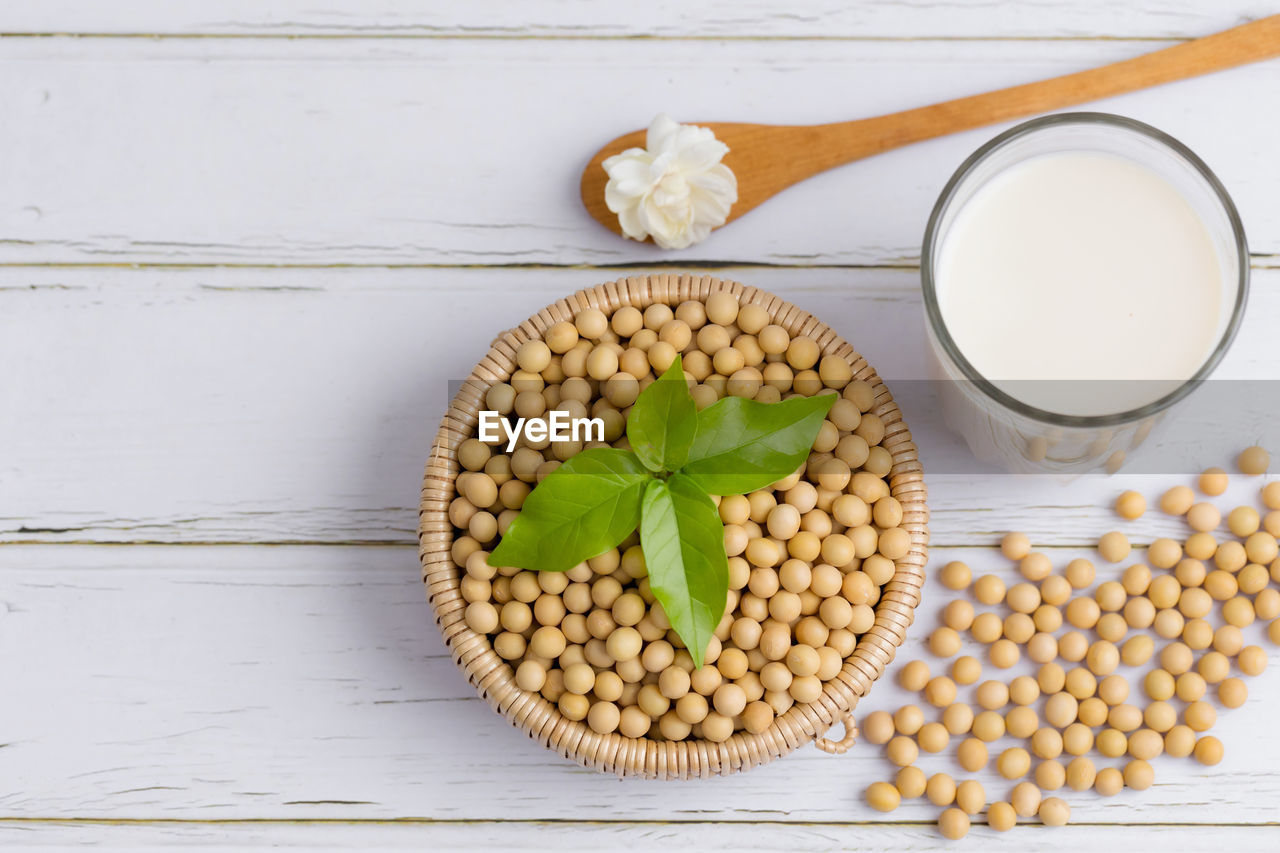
(643, 757)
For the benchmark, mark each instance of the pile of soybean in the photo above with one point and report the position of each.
(808, 556)
(1181, 615)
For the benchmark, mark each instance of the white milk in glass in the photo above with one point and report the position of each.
(1081, 283)
(1085, 270)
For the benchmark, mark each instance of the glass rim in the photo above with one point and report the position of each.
(934, 312)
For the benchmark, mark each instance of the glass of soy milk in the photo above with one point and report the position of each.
(1082, 273)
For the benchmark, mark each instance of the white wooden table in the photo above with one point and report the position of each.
(243, 248)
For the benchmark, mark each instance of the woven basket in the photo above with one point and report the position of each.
(540, 719)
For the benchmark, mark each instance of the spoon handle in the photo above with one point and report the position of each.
(1240, 45)
(769, 158)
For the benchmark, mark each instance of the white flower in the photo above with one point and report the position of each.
(675, 189)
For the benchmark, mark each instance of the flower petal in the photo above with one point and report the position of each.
(631, 219)
(700, 154)
(662, 131)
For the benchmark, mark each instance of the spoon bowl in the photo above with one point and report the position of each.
(765, 158)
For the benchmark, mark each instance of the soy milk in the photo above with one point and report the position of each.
(1067, 269)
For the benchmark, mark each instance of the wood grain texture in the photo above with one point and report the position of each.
(317, 152)
(767, 159)
(247, 405)
(591, 837)
(227, 683)
(620, 19)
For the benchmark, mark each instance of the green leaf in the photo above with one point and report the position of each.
(663, 420)
(683, 543)
(582, 509)
(743, 445)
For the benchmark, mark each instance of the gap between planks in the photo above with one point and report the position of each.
(599, 37)
(302, 543)
(1256, 261)
(507, 836)
(424, 821)
(567, 20)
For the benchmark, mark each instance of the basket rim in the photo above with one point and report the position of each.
(493, 677)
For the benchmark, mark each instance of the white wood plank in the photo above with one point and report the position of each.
(500, 837)
(660, 18)
(255, 405)
(469, 152)
(226, 683)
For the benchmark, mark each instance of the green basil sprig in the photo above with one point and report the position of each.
(679, 457)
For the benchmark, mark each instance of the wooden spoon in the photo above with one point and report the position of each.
(769, 158)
